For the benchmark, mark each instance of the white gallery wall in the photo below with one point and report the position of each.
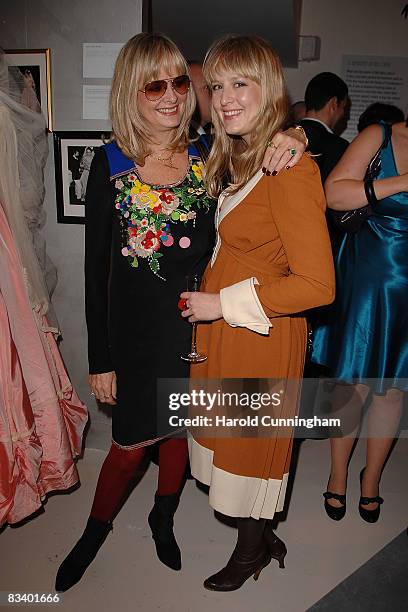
(365, 27)
(349, 27)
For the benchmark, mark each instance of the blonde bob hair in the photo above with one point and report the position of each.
(141, 61)
(232, 158)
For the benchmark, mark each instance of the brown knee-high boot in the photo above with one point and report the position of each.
(251, 554)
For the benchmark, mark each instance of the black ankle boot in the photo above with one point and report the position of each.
(161, 523)
(276, 546)
(81, 556)
(251, 554)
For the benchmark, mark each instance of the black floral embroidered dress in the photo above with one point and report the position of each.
(141, 243)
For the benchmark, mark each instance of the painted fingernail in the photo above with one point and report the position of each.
(268, 173)
(274, 173)
(263, 169)
(287, 167)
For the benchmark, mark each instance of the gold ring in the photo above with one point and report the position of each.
(270, 143)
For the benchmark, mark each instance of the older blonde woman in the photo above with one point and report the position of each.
(149, 224)
(272, 261)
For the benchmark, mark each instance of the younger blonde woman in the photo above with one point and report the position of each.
(272, 261)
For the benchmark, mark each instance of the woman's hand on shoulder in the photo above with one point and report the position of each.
(103, 386)
(201, 306)
(284, 151)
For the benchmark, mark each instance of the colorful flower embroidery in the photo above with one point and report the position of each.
(198, 170)
(147, 213)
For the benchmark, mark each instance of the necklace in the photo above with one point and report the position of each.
(166, 161)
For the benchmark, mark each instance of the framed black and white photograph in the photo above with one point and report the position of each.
(35, 67)
(73, 155)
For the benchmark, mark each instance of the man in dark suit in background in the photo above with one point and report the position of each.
(201, 121)
(326, 99)
(327, 102)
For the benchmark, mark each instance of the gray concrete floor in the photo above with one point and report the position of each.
(127, 576)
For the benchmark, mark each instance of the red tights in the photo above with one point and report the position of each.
(119, 470)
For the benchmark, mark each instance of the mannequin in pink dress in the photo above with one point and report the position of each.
(41, 417)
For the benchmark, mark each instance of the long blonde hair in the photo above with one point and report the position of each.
(231, 158)
(140, 61)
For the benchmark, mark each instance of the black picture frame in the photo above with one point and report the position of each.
(73, 154)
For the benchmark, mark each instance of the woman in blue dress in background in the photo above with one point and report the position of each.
(365, 332)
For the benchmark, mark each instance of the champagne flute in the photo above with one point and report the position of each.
(193, 284)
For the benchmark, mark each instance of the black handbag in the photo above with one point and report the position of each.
(351, 220)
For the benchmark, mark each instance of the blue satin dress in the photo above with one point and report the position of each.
(364, 333)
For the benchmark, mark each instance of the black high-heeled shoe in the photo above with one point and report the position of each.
(370, 516)
(276, 546)
(334, 512)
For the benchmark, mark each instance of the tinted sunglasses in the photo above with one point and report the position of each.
(156, 89)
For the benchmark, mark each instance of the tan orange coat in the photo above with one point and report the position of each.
(272, 262)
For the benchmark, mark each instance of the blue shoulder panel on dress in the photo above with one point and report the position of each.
(192, 150)
(201, 143)
(118, 162)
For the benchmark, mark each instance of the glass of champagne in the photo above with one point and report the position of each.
(193, 284)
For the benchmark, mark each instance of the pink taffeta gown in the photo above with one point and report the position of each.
(41, 417)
